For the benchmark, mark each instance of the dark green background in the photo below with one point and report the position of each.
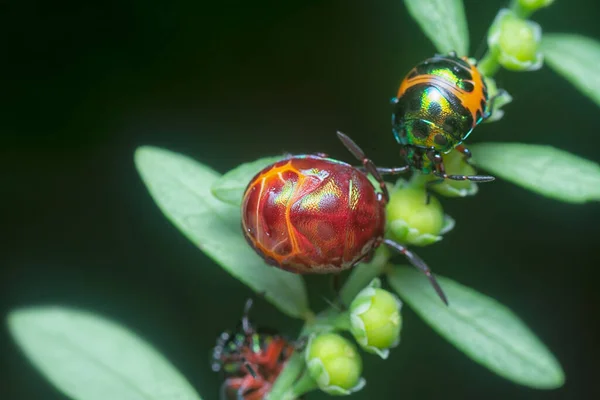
(85, 83)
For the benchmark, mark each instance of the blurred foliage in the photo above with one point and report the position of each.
(228, 83)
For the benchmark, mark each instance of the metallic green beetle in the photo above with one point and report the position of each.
(439, 103)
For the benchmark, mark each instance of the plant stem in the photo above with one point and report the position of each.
(519, 11)
(328, 320)
(489, 64)
(304, 385)
(342, 321)
(288, 376)
(363, 274)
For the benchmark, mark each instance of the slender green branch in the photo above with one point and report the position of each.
(328, 320)
(489, 64)
(363, 274)
(304, 385)
(342, 321)
(521, 12)
(288, 377)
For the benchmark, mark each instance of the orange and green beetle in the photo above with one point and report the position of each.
(439, 103)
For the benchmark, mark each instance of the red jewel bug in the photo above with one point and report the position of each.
(310, 214)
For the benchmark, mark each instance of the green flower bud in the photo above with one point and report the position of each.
(335, 364)
(516, 42)
(375, 319)
(455, 164)
(533, 5)
(411, 220)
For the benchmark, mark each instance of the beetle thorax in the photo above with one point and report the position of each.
(416, 157)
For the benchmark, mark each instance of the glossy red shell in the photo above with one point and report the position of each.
(310, 214)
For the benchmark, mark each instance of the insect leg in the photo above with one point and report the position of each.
(440, 170)
(419, 264)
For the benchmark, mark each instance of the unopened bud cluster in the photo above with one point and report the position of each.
(334, 361)
(375, 319)
(416, 217)
(515, 42)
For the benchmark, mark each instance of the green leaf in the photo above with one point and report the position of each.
(443, 22)
(577, 59)
(543, 169)
(482, 328)
(181, 188)
(231, 186)
(90, 358)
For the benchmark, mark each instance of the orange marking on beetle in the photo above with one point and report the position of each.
(470, 100)
(277, 172)
(297, 195)
(279, 244)
(260, 193)
(281, 178)
(288, 218)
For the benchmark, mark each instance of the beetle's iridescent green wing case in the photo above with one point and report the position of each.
(439, 103)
